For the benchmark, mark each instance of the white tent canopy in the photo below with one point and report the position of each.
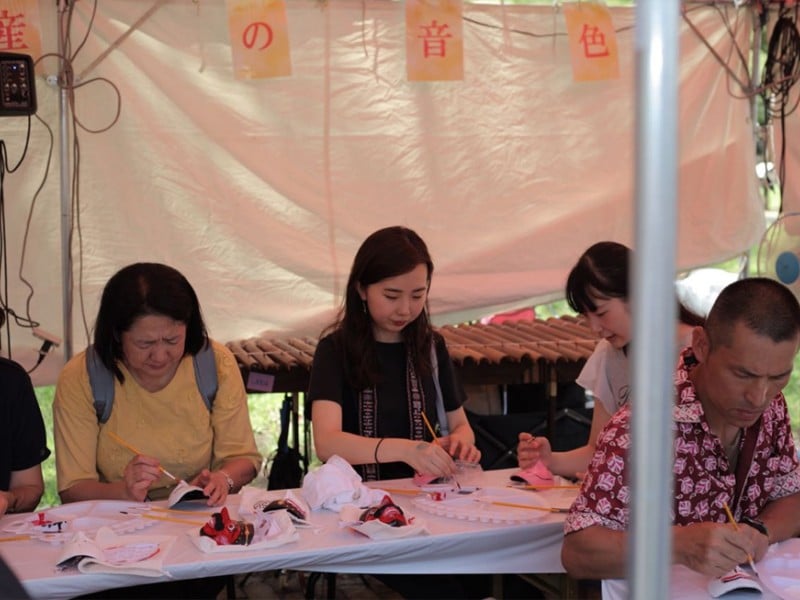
(261, 191)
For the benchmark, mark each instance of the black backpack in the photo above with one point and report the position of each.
(288, 466)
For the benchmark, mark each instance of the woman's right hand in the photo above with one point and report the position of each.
(139, 475)
(430, 459)
(531, 449)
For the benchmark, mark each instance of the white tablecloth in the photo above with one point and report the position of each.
(453, 546)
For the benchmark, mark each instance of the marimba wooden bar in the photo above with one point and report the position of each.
(548, 351)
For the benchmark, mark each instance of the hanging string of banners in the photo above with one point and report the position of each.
(259, 38)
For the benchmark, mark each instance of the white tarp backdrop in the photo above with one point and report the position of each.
(261, 191)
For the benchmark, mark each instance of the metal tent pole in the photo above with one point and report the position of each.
(654, 297)
(65, 81)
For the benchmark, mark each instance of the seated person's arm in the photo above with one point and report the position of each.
(712, 548)
(25, 491)
(460, 443)
(567, 464)
(780, 519)
(240, 470)
(329, 439)
(216, 485)
(709, 548)
(139, 475)
(595, 553)
(143, 471)
(235, 457)
(89, 489)
(76, 430)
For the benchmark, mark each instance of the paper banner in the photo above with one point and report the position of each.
(20, 27)
(434, 40)
(259, 38)
(592, 41)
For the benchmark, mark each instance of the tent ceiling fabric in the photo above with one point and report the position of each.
(261, 191)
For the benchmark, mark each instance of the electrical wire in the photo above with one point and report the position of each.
(529, 33)
(71, 86)
(23, 252)
(743, 82)
(781, 72)
(6, 168)
(782, 67)
(66, 82)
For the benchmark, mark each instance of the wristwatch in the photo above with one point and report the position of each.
(757, 525)
(229, 480)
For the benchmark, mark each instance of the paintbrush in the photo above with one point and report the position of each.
(736, 527)
(171, 519)
(430, 428)
(545, 487)
(16, 538)
(436, 441)
(176, 511)
(527, 506)
(401, 491)
(125, 444)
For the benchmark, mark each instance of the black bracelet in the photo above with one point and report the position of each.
(378, 445)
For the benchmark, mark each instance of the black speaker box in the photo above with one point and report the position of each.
(17, 85)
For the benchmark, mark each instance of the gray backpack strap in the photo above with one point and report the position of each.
(205, 372)
(102, 382)
(441, 414)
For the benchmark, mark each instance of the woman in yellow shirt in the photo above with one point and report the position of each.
(148, 329)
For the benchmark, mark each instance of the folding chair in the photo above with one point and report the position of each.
(566, 423)
(496, 436)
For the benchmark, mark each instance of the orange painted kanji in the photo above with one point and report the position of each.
(259, 38)
(20, 27)
(434, 40)
(592, 41)
(12, 31)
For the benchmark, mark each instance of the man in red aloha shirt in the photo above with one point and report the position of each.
(733, 445)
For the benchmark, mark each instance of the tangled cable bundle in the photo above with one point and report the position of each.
(782, 67)
(781, 71)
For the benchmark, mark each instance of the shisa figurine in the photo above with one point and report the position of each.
(386, 512)
(226, 531)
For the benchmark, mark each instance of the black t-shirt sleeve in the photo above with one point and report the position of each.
(26, 444)
(29, 435)
(327, 374)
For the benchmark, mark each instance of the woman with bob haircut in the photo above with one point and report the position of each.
(148, 332)
(597, 288)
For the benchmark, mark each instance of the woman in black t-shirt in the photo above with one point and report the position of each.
(375, 373)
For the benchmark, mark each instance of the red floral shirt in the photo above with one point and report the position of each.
(704, 481)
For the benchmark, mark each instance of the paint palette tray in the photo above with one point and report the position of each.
(488, 505)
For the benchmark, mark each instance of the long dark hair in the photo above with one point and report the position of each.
(388, 252)
(145, 289)
(603, 271)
